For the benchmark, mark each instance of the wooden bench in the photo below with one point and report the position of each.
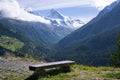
(63, 65)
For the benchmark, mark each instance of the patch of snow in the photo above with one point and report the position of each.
(59, 19)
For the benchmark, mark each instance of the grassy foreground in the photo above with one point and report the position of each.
(79, 72)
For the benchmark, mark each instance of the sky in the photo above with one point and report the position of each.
(47, 4)
(82, 9)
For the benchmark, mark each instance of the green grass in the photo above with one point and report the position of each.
(115, 75)
(78, 72)
(10, 43)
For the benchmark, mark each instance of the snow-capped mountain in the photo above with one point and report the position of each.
(58, 19)
(109, 8)
(11, 9)
(54, 14)
(59, 24)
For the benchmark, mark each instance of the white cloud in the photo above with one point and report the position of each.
(100, 4)
(6, 6)
(48, 4)
(11, 9)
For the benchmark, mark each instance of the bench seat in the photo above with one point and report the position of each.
(43, 66)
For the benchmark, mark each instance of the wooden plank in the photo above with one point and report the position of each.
(51, 65)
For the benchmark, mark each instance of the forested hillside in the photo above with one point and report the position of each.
(93, 43)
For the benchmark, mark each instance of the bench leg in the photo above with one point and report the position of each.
(65, 68)
(40, 72)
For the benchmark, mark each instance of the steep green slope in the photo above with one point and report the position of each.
(94, 27)
(92, 51)
(93, 43)
(36, 31)
(36, 37)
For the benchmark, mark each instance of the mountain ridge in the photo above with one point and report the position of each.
(58, 19)
(35, 36)
(89, 43)
(109, 8)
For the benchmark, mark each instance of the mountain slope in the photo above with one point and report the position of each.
(37, 37)
(109, 7)
(35, 32)
(93, 43)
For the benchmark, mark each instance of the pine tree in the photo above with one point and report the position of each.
(115, 57)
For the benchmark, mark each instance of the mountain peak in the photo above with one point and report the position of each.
(53, 10)
(54, 14)
(58, 19)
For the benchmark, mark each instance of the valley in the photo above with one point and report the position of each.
(94, 42)
(55, 37)
(27, 37)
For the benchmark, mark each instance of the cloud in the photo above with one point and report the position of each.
(100, 4)
(48, 4)
(6, 6)
(11, 9)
